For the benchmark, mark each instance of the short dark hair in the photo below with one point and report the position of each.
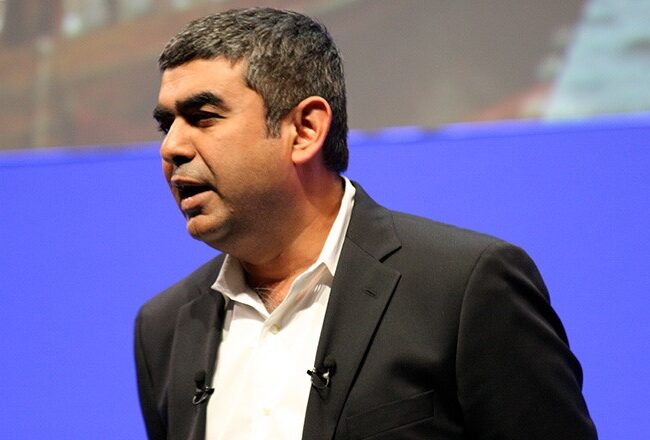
(289, 57)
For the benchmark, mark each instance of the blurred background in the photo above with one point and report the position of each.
(77, 72)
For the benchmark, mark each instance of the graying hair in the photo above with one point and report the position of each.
(289, 57)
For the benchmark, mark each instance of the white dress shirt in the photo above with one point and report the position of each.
(261, 382)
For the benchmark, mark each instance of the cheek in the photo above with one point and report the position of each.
(167, 170)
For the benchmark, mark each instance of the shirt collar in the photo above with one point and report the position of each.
(334, 242)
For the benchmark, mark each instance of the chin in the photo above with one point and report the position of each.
(208, 232)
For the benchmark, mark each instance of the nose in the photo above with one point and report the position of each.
(177, 147)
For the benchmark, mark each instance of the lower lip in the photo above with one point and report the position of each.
(192, 205)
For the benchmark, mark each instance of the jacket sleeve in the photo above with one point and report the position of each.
(153, 423)
(517, 377)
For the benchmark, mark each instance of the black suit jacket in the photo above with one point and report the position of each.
(436, 332)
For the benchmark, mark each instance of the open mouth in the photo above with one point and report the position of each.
(185, 191)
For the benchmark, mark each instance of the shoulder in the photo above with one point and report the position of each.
(446, 244)
(157, 319)
(164, 306)
(413, 229)
(382, 232)
(454, 258)
(420, 247)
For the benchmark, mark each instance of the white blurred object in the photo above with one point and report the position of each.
(608, 65)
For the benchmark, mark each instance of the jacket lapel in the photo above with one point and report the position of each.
(197, 337)
(361, 290)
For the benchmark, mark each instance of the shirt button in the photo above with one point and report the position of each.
(266, 411)
(275, 329)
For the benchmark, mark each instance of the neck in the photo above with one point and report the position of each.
(301, 247)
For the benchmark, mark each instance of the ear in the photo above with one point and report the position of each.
(311, 119)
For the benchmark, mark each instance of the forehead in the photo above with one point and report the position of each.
(217, 75)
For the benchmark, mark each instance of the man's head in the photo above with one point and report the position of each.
(251, 153)
(288, 57)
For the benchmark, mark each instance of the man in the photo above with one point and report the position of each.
(407, 328)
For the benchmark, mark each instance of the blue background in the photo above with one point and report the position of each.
(88, 235)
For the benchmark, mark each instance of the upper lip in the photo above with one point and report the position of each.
(178, 181)
(188, 186)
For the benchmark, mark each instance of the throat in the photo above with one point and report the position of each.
(273, 293)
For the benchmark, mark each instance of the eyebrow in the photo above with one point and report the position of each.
(190, 104)
(197, 101)
(160, 113)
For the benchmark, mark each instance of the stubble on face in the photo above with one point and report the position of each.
(226, 173)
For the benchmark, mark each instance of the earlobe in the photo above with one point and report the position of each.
(311, 119)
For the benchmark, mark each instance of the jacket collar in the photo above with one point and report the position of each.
(196, 339)
(361, 290)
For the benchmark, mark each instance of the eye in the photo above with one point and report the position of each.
(164, 118)
(163, 127)
(164, 124)
(203, 118)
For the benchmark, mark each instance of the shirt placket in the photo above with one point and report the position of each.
(269, 358)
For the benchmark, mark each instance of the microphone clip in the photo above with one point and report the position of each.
(202, 391)
(321, 376)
